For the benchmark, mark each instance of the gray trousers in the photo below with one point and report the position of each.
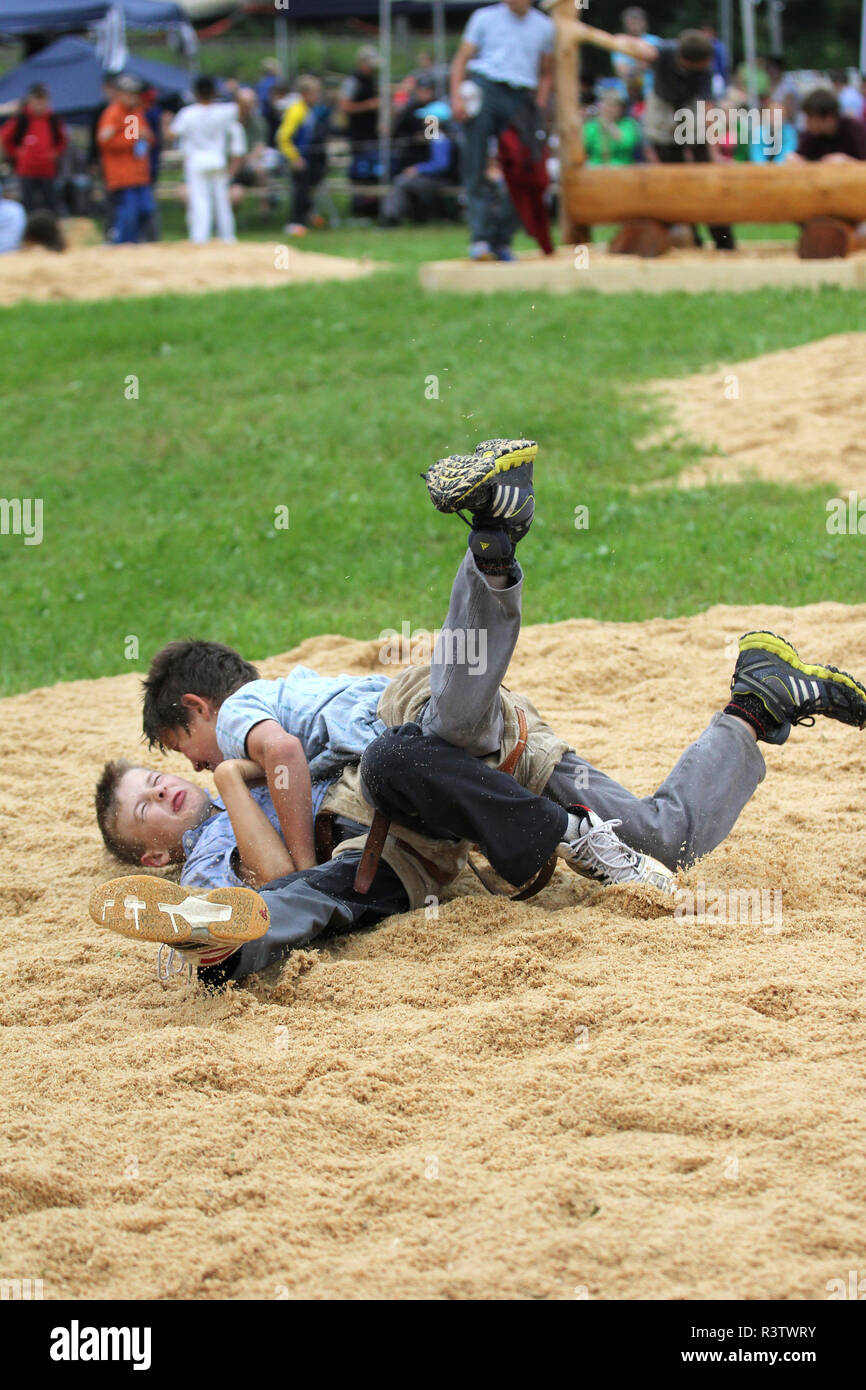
(498, 107)
(692, 811)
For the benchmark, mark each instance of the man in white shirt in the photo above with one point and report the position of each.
(507, 50)
(209, 131)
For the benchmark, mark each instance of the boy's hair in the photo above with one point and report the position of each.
(207, 669)
(43, 229)
(106, 811)
(38, 89)
(821, 101)
(694, 47)
(205, 88)
(308, 83)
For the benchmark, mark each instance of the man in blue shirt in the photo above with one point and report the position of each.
(507, 56)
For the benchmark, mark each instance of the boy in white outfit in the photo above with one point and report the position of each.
(208, 132)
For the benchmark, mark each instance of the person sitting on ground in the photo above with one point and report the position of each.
(301, 143)
(33, 141)
(259, 160)
(612, 137)
(848, 94)
(125, 139)
(445, 754)
(784, 136)
(417, 193)
(20, 229)
(826, 136)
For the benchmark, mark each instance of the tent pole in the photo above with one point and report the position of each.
(440, 52)
(384, 93)
(747, 13)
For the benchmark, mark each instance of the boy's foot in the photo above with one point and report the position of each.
(504, 253)
(773, 688)
(148, 908)
(494, 483)
(600, 854)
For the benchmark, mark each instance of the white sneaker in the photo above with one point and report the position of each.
(600, 854)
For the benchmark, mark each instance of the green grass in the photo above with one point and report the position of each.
(159, 512)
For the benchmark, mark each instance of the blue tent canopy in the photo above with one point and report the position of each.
(73, 74)
(48, 16)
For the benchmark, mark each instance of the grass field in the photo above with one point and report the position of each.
(159, 512)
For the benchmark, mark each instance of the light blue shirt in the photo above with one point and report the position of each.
(510, 49)
(210, 849)
(13, 220)
(334, 717)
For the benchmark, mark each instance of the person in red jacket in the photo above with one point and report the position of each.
(34, 140)
(125, 138)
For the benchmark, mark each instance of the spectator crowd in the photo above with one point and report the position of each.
(472, 142)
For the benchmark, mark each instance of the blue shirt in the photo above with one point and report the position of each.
(210, 858)
(510, 49)
(13, 219)
(334, 717)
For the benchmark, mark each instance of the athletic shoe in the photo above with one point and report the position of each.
(494, 483)
(600, 854)
(148, 908)
(792, 692)
(295, 229)
(504, 253)
(481, 251)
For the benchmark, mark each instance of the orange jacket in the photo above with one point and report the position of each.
(121, 167)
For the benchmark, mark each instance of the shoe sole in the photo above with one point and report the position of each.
(451, 481)
(770, 642)
(146, 908)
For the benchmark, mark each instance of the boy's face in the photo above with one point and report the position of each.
(198, 742)
(155, 809)
(38, 105)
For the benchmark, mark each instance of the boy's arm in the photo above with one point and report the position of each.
(283, 758)
(262, 853)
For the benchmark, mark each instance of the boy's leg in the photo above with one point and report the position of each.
(309, 904)
(693, 810)
(449, 794)
(474, 648)
(698, 803)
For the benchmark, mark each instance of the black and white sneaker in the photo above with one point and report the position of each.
(493, 484)
(788, 691)
(600, 854)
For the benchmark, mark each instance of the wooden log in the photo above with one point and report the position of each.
(826, 239)
(715, 193)
(642, 236)
(568, 118)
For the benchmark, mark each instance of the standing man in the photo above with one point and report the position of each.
(359, 103)
(33, 141)
(682, 77)
(507, 50)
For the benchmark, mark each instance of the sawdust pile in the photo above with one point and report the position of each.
(168, 267)
(564, 1099)
(797, 416)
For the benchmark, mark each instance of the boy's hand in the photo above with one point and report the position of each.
(243, 768)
